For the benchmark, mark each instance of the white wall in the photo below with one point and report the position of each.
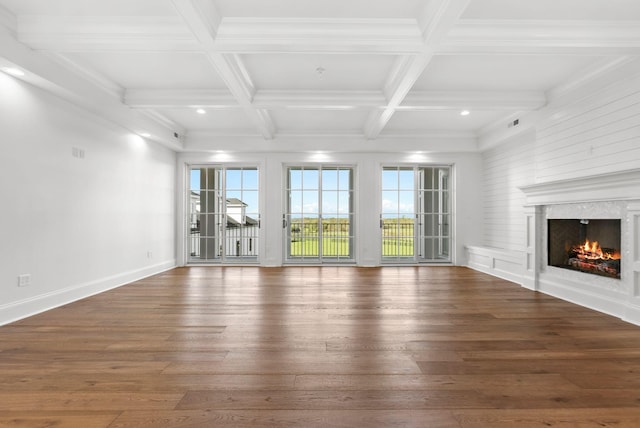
(505, 169)
(77, 226)
(596, 135)
(468, 202)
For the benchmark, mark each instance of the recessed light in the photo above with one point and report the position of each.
(465, 113)
(201, 111)
(13, 71)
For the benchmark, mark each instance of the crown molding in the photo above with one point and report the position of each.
(595, 77)
(88, 74)
(588, 83)
(164, 121)
(54, 77)
(428, 134)
(204, 134)
(319, 133)
(334, 141)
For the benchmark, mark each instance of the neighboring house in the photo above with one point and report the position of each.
(241, 231)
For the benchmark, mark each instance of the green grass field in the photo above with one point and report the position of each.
(397, 239)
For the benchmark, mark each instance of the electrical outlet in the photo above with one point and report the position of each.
(149, 254)
(24, 280)
(77, 152)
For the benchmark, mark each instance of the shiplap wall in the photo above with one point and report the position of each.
(592, 132)
(594, 136)
(505, 168)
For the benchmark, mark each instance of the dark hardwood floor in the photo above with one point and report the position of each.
(320, 346)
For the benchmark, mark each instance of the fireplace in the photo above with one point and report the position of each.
(611, 204)
(586, 245)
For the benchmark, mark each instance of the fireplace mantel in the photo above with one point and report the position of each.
(624, 185)
(613, 195)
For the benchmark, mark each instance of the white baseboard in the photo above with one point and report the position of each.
(581, 294)
(632, 315)
(510, 266)
(34, 305)
(497, 262)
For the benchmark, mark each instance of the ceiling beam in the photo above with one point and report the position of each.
(442, 100)
(335, 100)
(206, 31)
(230, 68)
(201, 16)
(233, 73)
(99, 33)
(438, 18)
(542, 37)
(181, 98)
(374, 36)
(318, 100)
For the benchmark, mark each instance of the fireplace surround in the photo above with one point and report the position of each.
(609, 201)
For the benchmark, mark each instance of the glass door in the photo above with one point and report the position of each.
(398, 220)
(434, 214)
(415, 214)
(318, 221)
(224, 218)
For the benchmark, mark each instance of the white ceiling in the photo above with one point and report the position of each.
(334, 72)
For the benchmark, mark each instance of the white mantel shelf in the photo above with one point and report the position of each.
(624, 185)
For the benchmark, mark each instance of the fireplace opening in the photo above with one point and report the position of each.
(585, 245)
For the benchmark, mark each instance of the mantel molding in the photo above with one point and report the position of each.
(623, 185)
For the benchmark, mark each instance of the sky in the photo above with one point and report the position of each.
(304, 184)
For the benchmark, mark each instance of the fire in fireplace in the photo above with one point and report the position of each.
(586, 245)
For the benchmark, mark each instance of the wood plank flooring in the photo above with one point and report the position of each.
(320, 347)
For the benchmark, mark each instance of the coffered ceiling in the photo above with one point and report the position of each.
(358, 75)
